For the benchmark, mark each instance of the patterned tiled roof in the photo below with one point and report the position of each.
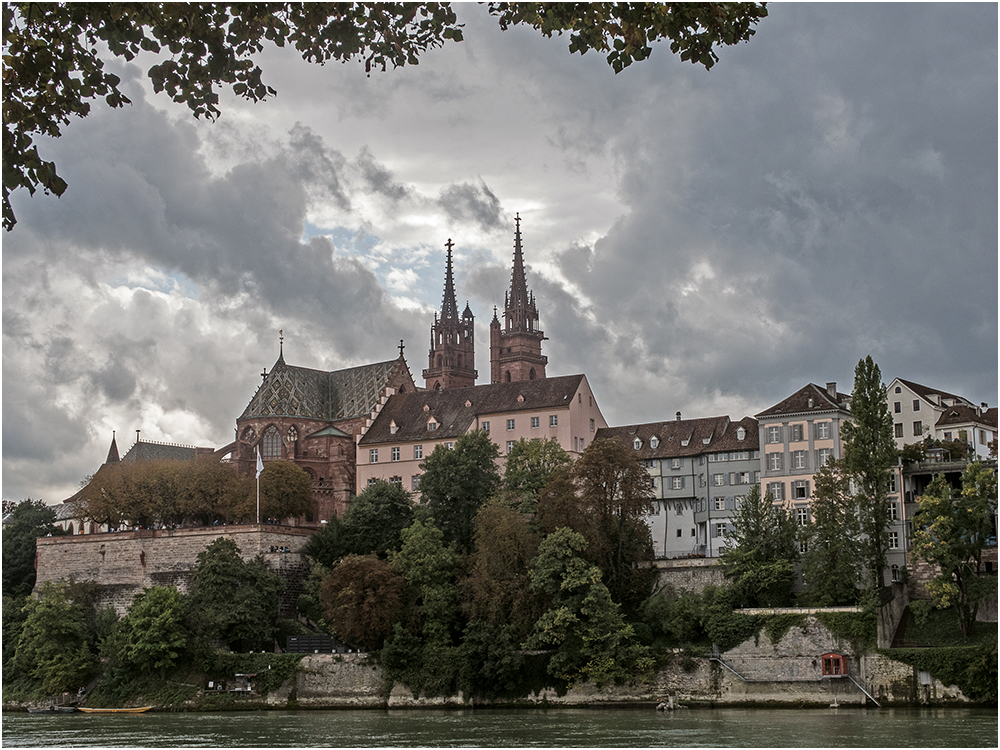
(807, 399)
(455, 410)
(290, 391)
(962, 414)
(686, 437)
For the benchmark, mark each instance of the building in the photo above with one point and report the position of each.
(312, 418)
(701, 470)
(410, 425)
(920, 412)
(516, 347)
(451, 362)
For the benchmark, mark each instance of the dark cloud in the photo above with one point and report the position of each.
(476, 203)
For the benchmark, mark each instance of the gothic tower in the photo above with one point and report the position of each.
(452, 359)
(516, 349)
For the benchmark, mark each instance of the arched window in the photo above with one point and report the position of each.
(270, 444)
(508, 376)
(531, 374)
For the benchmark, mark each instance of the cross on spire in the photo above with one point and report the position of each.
(401, 348)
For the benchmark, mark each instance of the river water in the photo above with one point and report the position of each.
(553, 727)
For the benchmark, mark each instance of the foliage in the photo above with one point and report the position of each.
(326, 546)
(950, 532)
(673, 619)
(271, 670)
(429, 568)
(362, 598)
(958, 450)
(285, 491)
(760, 551)
(456, 482)
(310, 604)
(154, 633)
(831, 564)
(530, 465)
(376, 519)
(209, 491)
(496, 590)
(725, 627)
(558, 506)
(52, 646)
(869, 453)
(53, 66)
(491, 661)
(233, 599)
(777, 626)
(973, 669)
(860, 629)
(14, 616)
(615, 491)
(582, 622)
(29, 519)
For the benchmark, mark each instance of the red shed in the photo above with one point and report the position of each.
(834, 665)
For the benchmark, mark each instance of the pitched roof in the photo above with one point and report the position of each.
(962, 414)
(929, 393)
(289, 391)
(687, 437)
(455, 410)
(809, 398)
(146, 450)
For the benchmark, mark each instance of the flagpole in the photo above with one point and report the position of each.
(260, 468)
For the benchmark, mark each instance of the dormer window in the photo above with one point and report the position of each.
(654, 441)
(432, 425)
(740, 433)
(637, 443)
(684, 442)
(393, 429)
(706, 441)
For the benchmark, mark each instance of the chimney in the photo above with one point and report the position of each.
(678, 416)
(831, 388)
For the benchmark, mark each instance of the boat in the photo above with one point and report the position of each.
(53, 710)
(137, 710)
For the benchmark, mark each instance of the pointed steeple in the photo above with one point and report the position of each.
(451, 361)
(449, 307)
(113, 457)
(519, 306)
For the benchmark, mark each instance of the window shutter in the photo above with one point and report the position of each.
(715, 531)
(682, 483)
(807, 490)
(730, 503)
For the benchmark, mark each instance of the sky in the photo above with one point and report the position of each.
(698, 241)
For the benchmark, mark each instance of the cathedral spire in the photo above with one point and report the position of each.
(520, 313)
(112, 451)
(451, 361)
(449, 307)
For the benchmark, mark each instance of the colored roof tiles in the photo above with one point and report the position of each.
(688, 437)
(962, 414)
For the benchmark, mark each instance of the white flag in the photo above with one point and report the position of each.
(260, 464)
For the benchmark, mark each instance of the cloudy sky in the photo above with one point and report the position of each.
(698, 241)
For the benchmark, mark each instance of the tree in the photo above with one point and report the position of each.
(285, 491)
(28, 520)
(429, 567)
(831, 565)
(950, 531)
(558, 506)
(456, 482)
(210, 491)
(233, 599)
(52, 647)
(615, 491)
(53, 66)
(154, 635)
(583, 623)
(530, 466)
(326, 546)
(869, 453)
(362, 599)
(376, 519)
(760, 551)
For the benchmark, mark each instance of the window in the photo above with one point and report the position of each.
(637, 443)
(510, 446)
(893, 540)
(796, 432)
(449, 446)
(892, 482)
(916, 404)
(745, 477)
(554, 420)
(982, 437)
(897, 407)
(898, 427)
(776, 490)
(396, 480)
(510, 424)
(800, 489)
(415, 482)
(774, 434)
(676, 483)
(918, 429)
(373, 456)
(774, 462)
(271, 444)
(898, 389)
(720, 529)
(654, 441)
(693, 532)
(649, 463)
(675, 463)
(432, 425)
(372, 481)
(947, 436)
(591, 424)
(718, 479)
(803, 546)
(485, 426)
(798, 459)
(395, 457)
(823, 455)
(678, 533)
(418, 451)
(802, 516)
(534, 423)
(893, 511)
(656, 483)
(719, 503)
(822, 430)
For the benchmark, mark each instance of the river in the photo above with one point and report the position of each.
(553, 727)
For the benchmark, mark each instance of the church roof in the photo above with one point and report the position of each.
(289, 391)
(145, 450)
(455, 410)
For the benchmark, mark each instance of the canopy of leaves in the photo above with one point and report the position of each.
(154, 634)
(831, 565)
(530, 466)
(430, 568)
(362, 598)
(53, 61)
(52, 646)
(285, 491)
(950, 531)
(760, 551)
(28, 520)
(456, 483)
(376, 518)
(232, 599)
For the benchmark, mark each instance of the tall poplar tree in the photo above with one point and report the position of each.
(869, 453)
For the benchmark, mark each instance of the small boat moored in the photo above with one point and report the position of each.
(138, 710)
(53, 709)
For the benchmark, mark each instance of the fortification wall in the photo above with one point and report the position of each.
(690, 574)
(123, 563)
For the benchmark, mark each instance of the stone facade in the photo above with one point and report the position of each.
(125, 563)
